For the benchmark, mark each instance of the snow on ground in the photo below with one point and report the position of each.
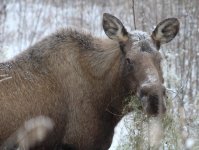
(121, 132)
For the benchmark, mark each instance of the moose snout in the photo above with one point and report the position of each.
(152, 100)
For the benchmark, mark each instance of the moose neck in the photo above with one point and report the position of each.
(104, 66)
(103, 61)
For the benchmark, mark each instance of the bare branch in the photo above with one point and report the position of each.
(133, 7)
(5, 77)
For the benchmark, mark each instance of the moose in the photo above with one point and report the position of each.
(81, 81)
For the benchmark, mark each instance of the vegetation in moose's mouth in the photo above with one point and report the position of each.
(132, 103)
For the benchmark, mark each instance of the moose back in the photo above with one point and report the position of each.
(80, 82)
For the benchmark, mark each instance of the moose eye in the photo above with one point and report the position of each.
(130, 64)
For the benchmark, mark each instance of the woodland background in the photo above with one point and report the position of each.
(24, 22)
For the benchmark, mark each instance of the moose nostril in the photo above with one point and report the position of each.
(153, 107)
(128, 61)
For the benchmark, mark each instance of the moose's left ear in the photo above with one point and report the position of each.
(166, 30)
(114, 28)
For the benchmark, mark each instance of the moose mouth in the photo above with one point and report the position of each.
(151, 105)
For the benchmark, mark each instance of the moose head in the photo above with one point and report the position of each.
(142, 59)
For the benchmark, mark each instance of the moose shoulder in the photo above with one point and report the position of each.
(80, 82)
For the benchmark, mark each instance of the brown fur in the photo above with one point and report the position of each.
(57, 77)
(78, 81)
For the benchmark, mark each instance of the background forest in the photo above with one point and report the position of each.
(24, 22)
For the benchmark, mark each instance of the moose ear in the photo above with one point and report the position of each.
(166, 30)
(114, 29)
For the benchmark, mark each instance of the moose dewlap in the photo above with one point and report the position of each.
(80, 82)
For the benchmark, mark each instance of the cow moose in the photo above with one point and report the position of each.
(81, 81)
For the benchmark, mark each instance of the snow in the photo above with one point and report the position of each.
(151, 76)
(189, 143)
(37, 23)
(140, 35)
(120, 132)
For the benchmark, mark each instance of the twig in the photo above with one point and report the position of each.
(7, 78)
(119, 115)
(3, 75)
(133, 7)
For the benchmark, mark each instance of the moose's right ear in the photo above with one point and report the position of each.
(114, 29)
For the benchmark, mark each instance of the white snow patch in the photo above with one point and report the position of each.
(137, 35)
(151, 77)
(121, 131)
(5, 54)
(189, 143)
